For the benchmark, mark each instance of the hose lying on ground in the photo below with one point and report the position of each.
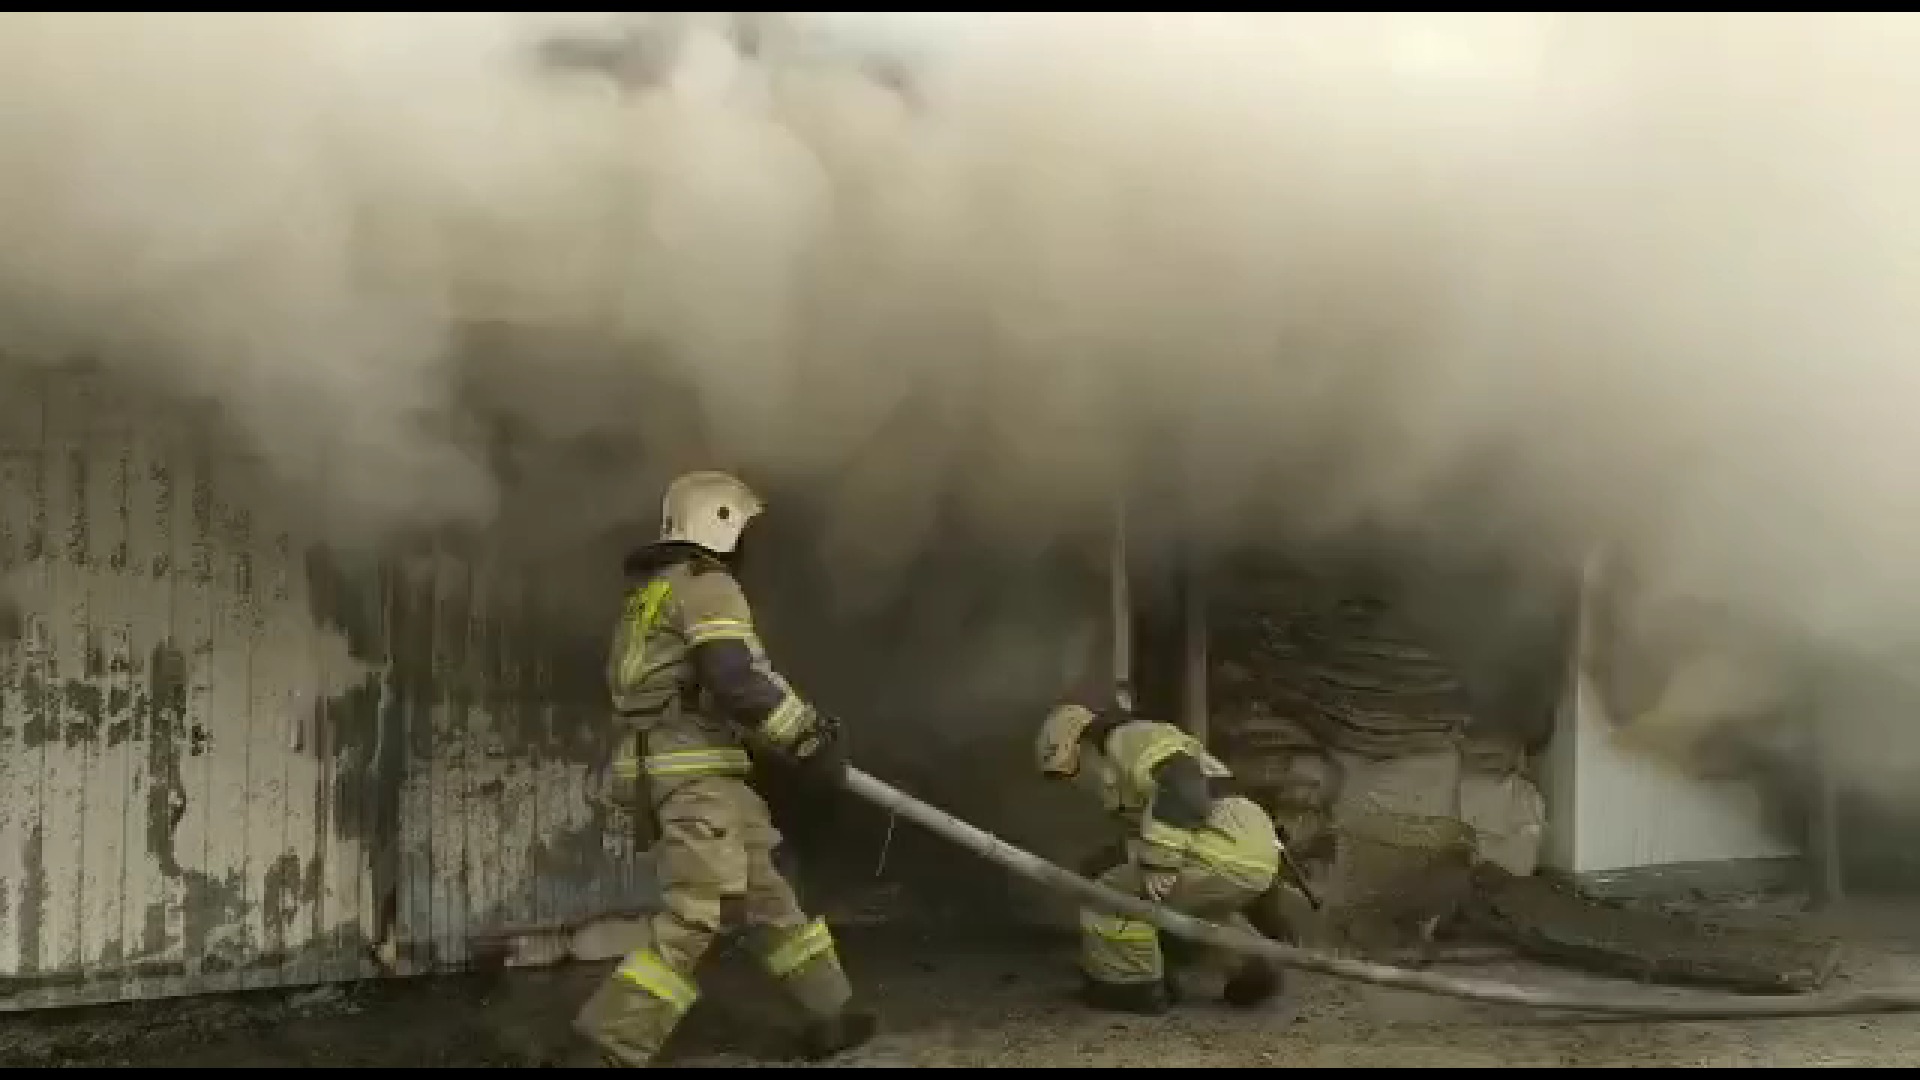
(1628, 1004)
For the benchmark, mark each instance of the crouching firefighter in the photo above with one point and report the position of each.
(694, 693)
(1193, 844)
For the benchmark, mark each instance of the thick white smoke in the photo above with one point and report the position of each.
(1641, 278)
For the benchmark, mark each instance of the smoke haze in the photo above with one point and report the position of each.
(1554, 277)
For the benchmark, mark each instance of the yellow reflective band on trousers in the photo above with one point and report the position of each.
(713, 761)
(1116, 949)
(1118, 928)
(803, 946)
(643, 615)
(782, 725)
(701, 633)
(644, 969)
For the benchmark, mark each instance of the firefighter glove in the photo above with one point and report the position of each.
(1158, 884)
(821, 752)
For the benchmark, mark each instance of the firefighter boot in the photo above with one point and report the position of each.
(850, 1029)
(1141, 999)
(1252, 985)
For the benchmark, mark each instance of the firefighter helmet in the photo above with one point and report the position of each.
(1057, 751)
(709, 510)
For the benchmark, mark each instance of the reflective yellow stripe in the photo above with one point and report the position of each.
(1118, 928)
(783, 723)
(643, 614)
(644, 969)
(714, 761)
(719, 630)
(1163, 835)
(626, 760)
(1220, 852)
(1158, 749)
(802, 947)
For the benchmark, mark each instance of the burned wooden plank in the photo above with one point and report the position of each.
(1550, 921)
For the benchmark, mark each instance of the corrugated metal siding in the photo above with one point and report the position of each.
(229, 760)
(1612, 810)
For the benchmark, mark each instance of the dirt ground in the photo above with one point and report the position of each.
(948, 1000)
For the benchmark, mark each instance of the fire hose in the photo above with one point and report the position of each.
(1640, 1005)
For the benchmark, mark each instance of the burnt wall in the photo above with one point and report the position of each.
(230, 757)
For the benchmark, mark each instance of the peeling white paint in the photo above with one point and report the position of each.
(119, 539)
(476, 883)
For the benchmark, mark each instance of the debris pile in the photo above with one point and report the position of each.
(1341, 713)
(1336, 708)
(1548, 920)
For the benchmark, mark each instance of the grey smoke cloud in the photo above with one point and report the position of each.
(1641, 278)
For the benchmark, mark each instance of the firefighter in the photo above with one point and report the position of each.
(697, 701)
(1193, 844)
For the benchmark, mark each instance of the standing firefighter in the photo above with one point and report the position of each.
(1193, 845)
(694, 692)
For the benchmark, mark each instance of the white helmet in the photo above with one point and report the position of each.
(709, 510)
(1057, 749)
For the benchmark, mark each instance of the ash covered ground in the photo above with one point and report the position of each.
(958, 995)
(971, 968)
